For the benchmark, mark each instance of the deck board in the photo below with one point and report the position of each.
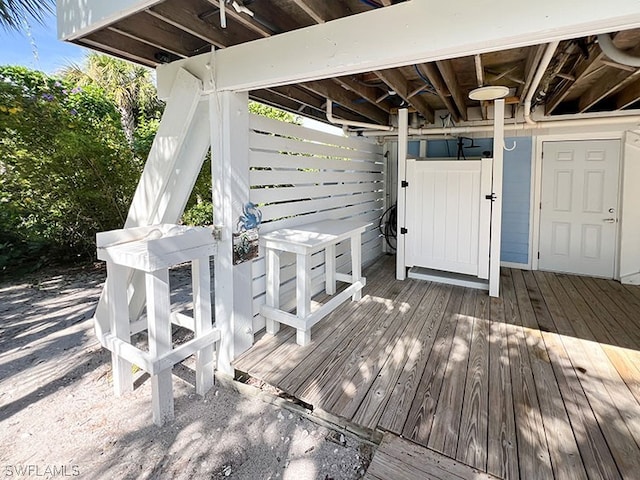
(502, 459)
(446, 422)
(472, 438)
(543, 382)
(399, 459)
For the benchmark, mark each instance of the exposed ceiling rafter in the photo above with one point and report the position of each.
(187, 19)
(396, 81)
(433, 74)
(348, 100)
(628, 95)
(243, 19)
(448, 74)
(369, 93)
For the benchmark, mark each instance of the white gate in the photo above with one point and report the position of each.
(447, 217)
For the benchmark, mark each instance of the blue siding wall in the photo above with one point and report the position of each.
(516, 191)
(413, 148)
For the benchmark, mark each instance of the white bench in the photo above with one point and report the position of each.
(304, 241)
(153, 250)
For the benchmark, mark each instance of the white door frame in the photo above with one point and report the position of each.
(534, 240)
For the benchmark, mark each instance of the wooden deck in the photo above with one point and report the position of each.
(541, 383)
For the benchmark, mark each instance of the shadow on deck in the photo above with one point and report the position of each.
(543, 382)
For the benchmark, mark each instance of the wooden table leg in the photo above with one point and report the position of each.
(117, 303)
(330, 269)
(303, 295)
(272, 258)
(158, 310)
(201, 285)
(356, 263)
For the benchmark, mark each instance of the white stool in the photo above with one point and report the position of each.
(153, 250)
(304, 241)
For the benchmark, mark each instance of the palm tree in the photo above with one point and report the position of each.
(130, 86)
(14, 13)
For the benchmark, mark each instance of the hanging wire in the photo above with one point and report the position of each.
(431, 89)
(388, 228)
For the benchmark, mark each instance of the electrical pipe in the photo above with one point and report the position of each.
(349, 123)
(577, 122)
(542, 67)
(614, 53)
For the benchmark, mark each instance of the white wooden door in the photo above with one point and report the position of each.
(579, 207)
(443, 212)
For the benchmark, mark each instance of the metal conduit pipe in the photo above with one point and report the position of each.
(542, 67)
(349, 123)
(578, 122)
(614, 53)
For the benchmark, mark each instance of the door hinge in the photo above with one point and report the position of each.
(491, 197)
(404, 231)
(538, 255)
(404, 184)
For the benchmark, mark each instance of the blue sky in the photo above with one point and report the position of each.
(17, 48)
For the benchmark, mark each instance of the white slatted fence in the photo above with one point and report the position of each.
(299, 175)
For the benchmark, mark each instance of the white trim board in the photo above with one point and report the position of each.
(449, 278)
(519, 266)
(80, 17)
(421, 32)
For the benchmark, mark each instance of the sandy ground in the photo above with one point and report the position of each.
(60, 419)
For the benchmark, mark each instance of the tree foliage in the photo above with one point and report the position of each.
(14, 13)
(128, 85)
(67, 170)
(72, 149)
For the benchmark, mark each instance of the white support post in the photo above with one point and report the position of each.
(303, 295)
(330, 269)
(356, 264)
(159, 327)
(201, 285)
(272, 259)
(303, 285)
(496, 209)
(229, 113)
(403, 138)
(115, 295)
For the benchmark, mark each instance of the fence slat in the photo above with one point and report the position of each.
(264, 124)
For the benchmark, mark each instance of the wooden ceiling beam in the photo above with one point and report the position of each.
(608, 86)
(433, 74)
(396, 81)
(314, 102)
(448, 74)
(153, 31)
(315, 9)
(244, 20)
(581, 71)
(477, 60)
(628, 95)
(348, 100)
(186, 18)
(371, 94)
(113, 43)
(533, 60)
(269, 97)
